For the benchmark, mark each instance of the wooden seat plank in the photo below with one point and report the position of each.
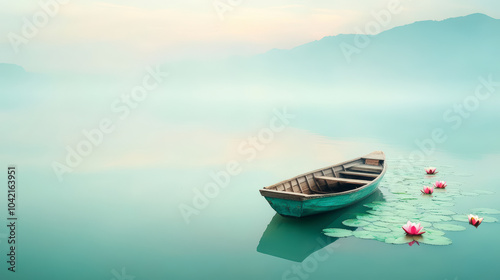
(342, 180)
(367, 168)
(371, 175)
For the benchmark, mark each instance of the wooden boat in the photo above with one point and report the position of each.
(327, 189)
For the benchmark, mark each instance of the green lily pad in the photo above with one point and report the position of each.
(445, 203)
(461, 218)
(355, 223)
(442, 212)
(442, 198)
(431, 231)
(435, 240)
(376, 228)
(429, 206)
(489, 220)
(436, 218)
(485, 211)
(424, 223)
(363, 234)
(382, 224)
(396, 220)
(406, 198)
(382, 236)
(405, 239)
(369, 218)
(409, 214)
(337, 232)
(398, 191)
(381, 213)
(449, 227)
(405, 206)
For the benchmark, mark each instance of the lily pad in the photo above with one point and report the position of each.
(382, 224)
(369, 218)
(436, 218)
(431, 231)
(442, 198)
(395, 220)
(442, 212)
(382, 236)
(381, 213)
(337, 232)
(489, 220)
(409, 214)
(445, 203)
(355, 223)
(399, 240)
(429, 206)
(363, 234)
(405, 206)
(398, 191)
(435, 240)
(485, 211)
(424, 224)
(376, 228)
(408, 198)
(461, 218)
(449, 227)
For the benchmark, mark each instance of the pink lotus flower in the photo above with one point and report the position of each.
(431, 170)
(413, 229)
(440, 184)
(427, 190)
(475, 220)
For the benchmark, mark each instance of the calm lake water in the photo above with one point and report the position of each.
(117, 215)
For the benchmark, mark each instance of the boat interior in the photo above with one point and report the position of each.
(333, 179)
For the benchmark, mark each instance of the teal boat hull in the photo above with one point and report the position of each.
(294, 208)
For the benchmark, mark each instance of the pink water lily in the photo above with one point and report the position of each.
(440, 184)
(475, 220)
(427, 190)
(413, 229)
(431, 170)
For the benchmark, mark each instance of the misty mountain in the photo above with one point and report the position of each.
(447, 51)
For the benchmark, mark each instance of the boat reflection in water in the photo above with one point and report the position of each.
(296, 238)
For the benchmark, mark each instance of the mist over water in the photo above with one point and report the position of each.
(118, 207)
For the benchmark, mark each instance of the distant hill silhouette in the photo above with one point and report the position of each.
(17, 87)
(10, 71)
(459, 49)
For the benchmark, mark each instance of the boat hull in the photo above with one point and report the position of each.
(296, 208)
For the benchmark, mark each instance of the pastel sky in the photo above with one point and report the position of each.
(110, 35)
